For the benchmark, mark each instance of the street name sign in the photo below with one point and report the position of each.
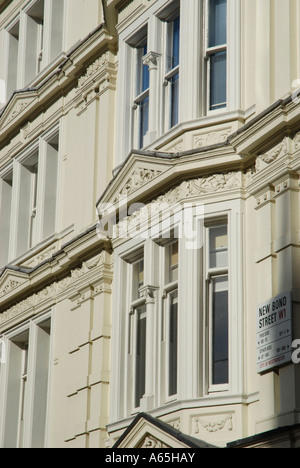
(274, 332)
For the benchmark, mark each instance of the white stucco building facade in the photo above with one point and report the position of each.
(149, 203)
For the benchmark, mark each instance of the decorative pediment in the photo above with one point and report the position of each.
(139, 177)
(136, 177)
(16, 107)
(148, 432)
(11, 281)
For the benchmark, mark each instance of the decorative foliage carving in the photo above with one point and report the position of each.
(151, 59)
(186, 189)
(8, 287)
(214, 425)
(99, 64)
(99, 76)
(151, 442)
(211, 138)
(264, 160)
(137, 179)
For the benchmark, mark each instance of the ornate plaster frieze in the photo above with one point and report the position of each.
(59, 288)
(99, 65)
(98, 77)
(214, 425)
(41, 257)
(187, 189)
(263, 160)
(296, 141)
(211, 138)
(138, 178)
(9, 286)
(175, 424)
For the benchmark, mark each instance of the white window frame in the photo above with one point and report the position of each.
(138, 95)
(39, 229)
(136, 305)
(209, 52)
(170, 72)
(30, 329)
(5, 212)
(211, 275)
(170, 288)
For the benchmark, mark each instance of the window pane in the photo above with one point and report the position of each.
(176, 43)
(16, 391)
(13, 51)
(57, 22)
(173, 344)
(220, 331)
(41, 385)
(143, 70)
(34, 40)
(217, 22)
(27, 204)
(218, 247)
(175, 100)
(173, 262)
(50, 187)
(144, 122)
(218, 68)
(138, 278)
(140, 372)
(5, 217)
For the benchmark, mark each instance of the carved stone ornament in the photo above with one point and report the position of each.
(297, 141)
(150, 60)
(211, 138)
(151, 442)
(264, 160)
(214, 425)
(8, 287)
(186, 189)
(93, 69)
(137, 179)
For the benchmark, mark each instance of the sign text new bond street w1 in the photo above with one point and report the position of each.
(274, 332)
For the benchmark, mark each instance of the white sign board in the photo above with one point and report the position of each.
(274, 332)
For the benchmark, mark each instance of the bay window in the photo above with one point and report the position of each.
(178, 312)
(189, 55)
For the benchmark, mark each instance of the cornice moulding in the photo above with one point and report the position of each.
(17, 283)
(276, 121)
